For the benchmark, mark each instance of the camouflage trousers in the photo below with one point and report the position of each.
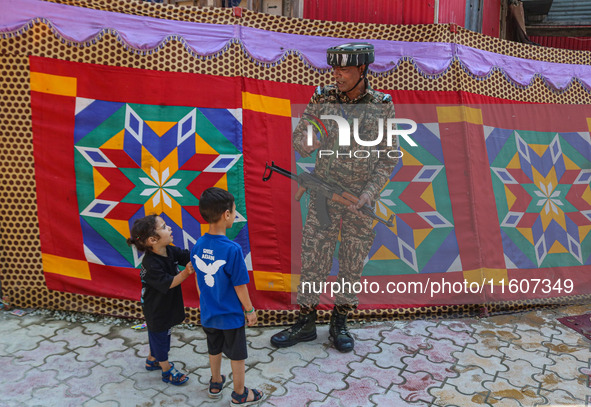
(318, 247)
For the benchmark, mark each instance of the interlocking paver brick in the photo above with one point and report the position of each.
(259, 356)
(444, 332)
(365, 348)
(271, 387)
(568, 336)
(491, 364)
(196, 334)
(441, 351)
(411, 342)
(297, 395)
(560, 398)
(42, 329)
(507, 322)
(47, 397)
(36, 356)
(177, 400)
(131, 337)
(420, 363)
(17, 393)
(306, 350)
(448, 395)
(533, 320)
(566, 366)
(337, 362)
(261, 341)
(327, 402)
(358, 391)
(416, 387)
(281, 365)
(581, 350)
(488, 329)
(519, 373)
(529, 339)
(19, 340)
(134, 397)
(469, 380)
(324, 381)
(502, 391)
(393, 399)
(418, 327)
(96, 403)
(578, 387)
(184, 356)
(92, 384)
(489, 342)
(384, 377)
(103, 329)
(67, 366)
(11, 372)
(74, 337)
(460, 326)
(127, 360)
(390, 356)
(100, 349)
(537, 358)
(371, 330)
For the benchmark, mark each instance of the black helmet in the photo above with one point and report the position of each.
(351, 54)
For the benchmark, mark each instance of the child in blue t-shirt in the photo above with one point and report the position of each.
(222, 281)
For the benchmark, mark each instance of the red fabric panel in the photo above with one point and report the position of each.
(53, 130)
(120, 84)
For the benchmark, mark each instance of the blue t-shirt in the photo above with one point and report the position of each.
(219, 267)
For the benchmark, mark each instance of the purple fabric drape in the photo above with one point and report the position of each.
(82, 25)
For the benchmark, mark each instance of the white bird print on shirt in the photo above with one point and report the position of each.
(209, 269)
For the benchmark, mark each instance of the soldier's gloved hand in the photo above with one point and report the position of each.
(364, 199)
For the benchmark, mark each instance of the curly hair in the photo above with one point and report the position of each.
(141, 230)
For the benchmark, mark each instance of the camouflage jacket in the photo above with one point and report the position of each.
(356, 168)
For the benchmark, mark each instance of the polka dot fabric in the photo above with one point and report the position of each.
(22, 273)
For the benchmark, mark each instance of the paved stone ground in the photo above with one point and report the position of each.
(525, 359)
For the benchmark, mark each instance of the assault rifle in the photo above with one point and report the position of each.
(324, 191)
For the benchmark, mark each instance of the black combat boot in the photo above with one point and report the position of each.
(339, 334)
(304, 330)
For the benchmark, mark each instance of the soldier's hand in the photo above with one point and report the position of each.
(364, 199)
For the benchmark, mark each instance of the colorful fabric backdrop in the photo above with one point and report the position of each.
(497, 190)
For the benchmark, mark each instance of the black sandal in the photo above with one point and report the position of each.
(241, 398)
(219, 386)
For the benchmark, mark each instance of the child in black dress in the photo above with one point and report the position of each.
(162, 298)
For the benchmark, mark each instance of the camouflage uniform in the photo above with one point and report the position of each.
(355, 175)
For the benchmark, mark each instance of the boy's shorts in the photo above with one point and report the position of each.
(159, 344)
(230, 341)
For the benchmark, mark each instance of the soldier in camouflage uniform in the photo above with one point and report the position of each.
(361, 173)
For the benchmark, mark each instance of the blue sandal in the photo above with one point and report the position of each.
(153, 365)
(241, 399)
(219, 386)
(174, 377)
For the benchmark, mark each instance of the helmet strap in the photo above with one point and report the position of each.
(363, 76)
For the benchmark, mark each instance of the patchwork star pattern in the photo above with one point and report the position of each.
(541, 183)
(423, 238)
(132, 160)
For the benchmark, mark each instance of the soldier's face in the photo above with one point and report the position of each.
(347, 76)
